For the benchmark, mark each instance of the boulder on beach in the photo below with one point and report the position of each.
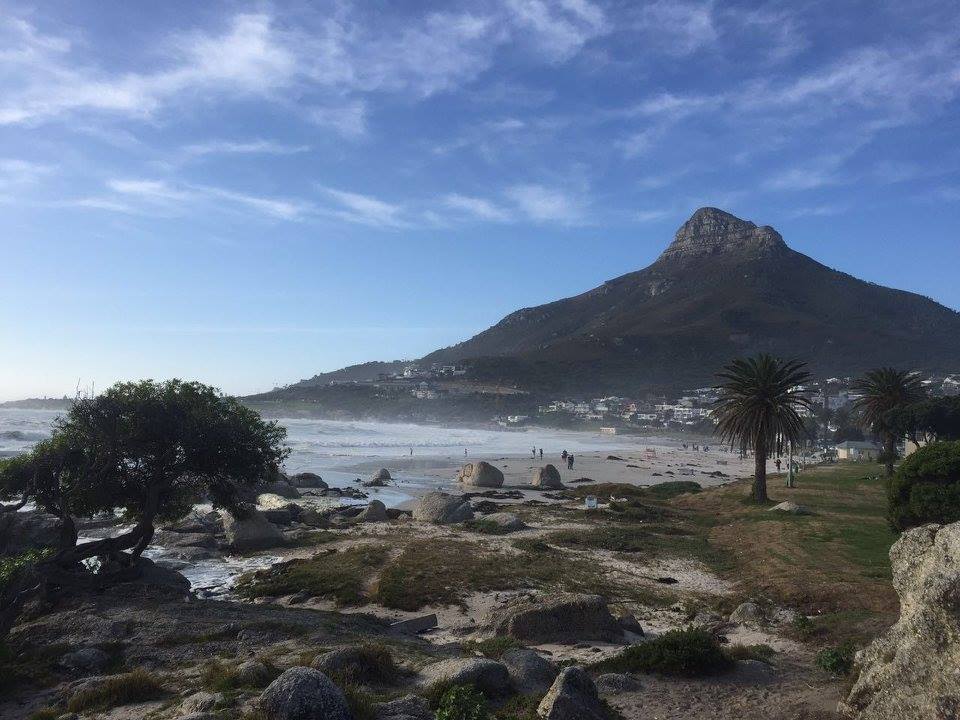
(441, 508)
(251, 532)
(31, 530)
(488, 676)
(308, 480)
(563, 618)
(506, 521)
(375, 511)
(480, 474)
(379, 479)
(573, 696)
(302, 693)
(408, 707)
(910, 672)
(278, 487)
(547, 478)
(531, 673)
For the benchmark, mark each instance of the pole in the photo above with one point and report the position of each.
(790, 482)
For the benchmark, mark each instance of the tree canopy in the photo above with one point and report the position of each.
(928, 420)
(884, 390)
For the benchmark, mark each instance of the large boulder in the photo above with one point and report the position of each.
(279, 487)
(547, 478)
(573, 696)
(379, 479)
(308, 480)
(375, 511)
(488, 676)
(531, 674)
(910, 672)
(564, 618)
(480, 474)
(23, 531)
(408, 707)
(251, 532)
(442, 508)
(302, 693)
(506, 521)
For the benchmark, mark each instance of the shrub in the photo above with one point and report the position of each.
(371, 662)
(494, 647)
(802, 626)
(836, 660)
(926, 487)
(46, 714)
(763, 653)
(486, 527)
(692, 652)
(672, 488)
(132, 687)
(462, 702)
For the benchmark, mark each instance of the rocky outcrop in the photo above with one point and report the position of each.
(308, 480)
(251, 532)
(488, 676)
(506, 521)
(279, 487)
(565, 618)
(408, 707)
(573, 696)
(710, 231)
(910, 672)
(302, 693)
(379, 479)
(480, 474)
(547, 478)
(22, 531)
(442, 509)
(375, 511)
(531, 674)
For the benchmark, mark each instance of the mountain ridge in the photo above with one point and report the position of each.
(723, 287)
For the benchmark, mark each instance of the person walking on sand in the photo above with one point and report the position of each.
(533, 451)
(563, 455)
(541, 453)
(570, 461)
(464, 452)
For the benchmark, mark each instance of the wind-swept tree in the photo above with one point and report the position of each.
(758, 409)
(146, 450)
(884, 390)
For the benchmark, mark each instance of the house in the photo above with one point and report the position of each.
(857, 450)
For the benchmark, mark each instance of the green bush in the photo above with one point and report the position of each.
(837, 660)
(493, 647)
(462, 702)
(692, 652)
(926, 487)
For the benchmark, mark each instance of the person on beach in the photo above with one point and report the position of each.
(464, 452)
(533, 450)
(777, 463)
(541, 453)
(570, 462)
(563, 455)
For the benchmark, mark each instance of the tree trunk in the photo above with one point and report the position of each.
(890, 450)
(759, 492)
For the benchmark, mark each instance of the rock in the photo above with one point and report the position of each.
(480, 474)
(254, 673)
(573, 696)
(197, 523)
(488, 676)
(629, 622)
(910, 672)
(88, 660)
(790, 507)
(441, 509)
(302, 693)
(375, 511)
(200, 702)
(315, 518)
(307, 480)
(565, 618)
(253, 532)
(530, 673)
(168, 539)
(278, 487)
(31, 530)
(357, 663)
(506, 521)
(748, 612)
(380, 479)
(409, 707)
(617, 683)
(415, 625)
(159, 579)
(272, 501)
(547, 478)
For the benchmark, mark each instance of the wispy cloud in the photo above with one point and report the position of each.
(348, 120)
(543, 204)
(477, 207)
(559, 29)
(14, 171)
(365, 209)
(248, 147)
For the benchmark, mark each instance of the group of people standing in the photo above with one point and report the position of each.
(568, 457)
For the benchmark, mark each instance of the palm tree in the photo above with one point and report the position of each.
(886, 389)
(758, 409)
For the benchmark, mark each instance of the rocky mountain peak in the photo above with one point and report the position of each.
(710, 231)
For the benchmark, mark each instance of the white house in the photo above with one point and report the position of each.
(858, 450)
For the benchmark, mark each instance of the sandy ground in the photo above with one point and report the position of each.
(634, 464)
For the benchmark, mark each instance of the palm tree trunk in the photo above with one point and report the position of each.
(889, 449)
(759, 492)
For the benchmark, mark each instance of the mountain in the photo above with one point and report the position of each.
(724, 287)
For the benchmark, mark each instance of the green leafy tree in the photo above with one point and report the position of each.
(884, 390)
(926, 487)
(928, 420)
(758, 409)
(146, 449)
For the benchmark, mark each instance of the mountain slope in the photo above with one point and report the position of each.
(724, 287)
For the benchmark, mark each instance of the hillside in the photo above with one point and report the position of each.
(724, 287)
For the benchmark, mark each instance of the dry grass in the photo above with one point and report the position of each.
(133, 687)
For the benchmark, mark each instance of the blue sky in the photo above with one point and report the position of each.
(249, 193)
